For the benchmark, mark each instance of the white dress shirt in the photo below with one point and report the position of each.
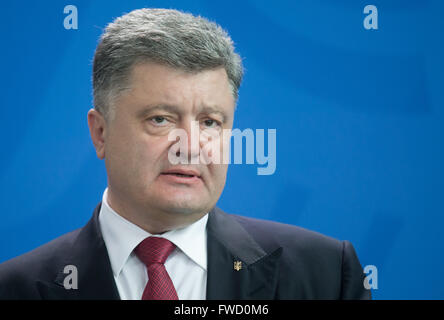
(186, 265)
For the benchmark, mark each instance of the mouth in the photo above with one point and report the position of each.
(179, 175)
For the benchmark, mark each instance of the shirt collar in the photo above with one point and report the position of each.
(121, 237)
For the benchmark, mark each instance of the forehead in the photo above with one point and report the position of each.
(152, 83)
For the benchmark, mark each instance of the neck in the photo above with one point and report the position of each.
(150, 219)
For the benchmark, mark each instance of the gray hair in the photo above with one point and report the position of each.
(169, 37)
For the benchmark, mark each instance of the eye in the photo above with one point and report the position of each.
(158, 120)
(210, 123)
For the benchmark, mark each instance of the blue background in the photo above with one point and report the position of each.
(359, 118)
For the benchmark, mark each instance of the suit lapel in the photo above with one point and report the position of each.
(256, 272)
(90, 257)
(228, 242)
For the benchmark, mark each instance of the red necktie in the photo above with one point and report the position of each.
(153, 252)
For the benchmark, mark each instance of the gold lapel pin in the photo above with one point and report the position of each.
(237, 265)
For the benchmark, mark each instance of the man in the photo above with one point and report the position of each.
(157, 233)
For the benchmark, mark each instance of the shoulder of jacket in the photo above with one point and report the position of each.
(39, 261)
(287, 235)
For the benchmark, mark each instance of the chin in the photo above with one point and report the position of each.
(184, 207)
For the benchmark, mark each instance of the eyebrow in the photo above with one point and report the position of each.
(214, 110)
(174, 109)
(162, 107)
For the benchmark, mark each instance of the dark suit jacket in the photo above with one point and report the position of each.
(278, 262)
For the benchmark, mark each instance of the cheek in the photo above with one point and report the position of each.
(218, 174)
(122, 157)
(150, 157)
(216, 146)
(136, 157)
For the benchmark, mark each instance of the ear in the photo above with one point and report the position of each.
(97, 127)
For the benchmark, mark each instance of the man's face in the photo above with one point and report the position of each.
(136, 146)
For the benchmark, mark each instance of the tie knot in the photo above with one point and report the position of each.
(154, 250)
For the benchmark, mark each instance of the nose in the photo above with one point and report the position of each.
(192, 130)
